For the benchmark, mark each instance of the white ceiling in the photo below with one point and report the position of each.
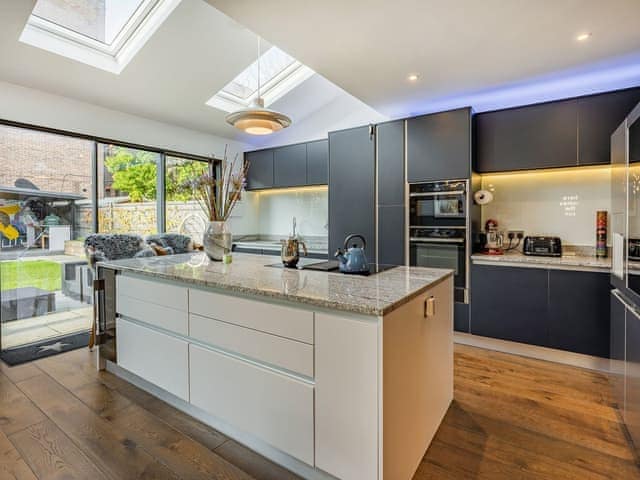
(463, 50)
(192, 55)
(459, 48)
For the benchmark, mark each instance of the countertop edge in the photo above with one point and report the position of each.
(554, 263)
(325, 304)
(413, 295)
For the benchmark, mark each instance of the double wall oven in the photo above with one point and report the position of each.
(439, 229)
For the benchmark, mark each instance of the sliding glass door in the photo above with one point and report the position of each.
(46, 210)
(56, 189)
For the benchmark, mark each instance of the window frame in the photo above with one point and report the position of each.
(214, 164)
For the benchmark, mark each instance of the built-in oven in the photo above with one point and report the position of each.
(441, 248)
(438, 203)
(438, 229)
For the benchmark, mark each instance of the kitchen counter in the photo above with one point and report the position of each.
(566, 262)
(377, 294)
(301, 366)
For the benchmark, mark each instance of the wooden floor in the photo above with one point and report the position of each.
(512, 418)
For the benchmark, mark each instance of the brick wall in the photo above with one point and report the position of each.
(52, 162)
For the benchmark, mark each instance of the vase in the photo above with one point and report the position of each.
(216, 240)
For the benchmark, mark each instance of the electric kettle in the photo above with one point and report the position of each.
(353, 259)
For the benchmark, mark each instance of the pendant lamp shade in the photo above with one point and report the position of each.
(255, 119)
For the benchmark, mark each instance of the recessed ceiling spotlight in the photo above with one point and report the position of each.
(583, 36)
(413, 77)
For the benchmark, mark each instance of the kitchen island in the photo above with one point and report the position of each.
(330, 375)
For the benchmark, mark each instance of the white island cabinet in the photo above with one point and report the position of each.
(331, 376)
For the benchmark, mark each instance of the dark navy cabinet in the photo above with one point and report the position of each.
(531, 137)
(390, 141)
(318, 162)
(510, 303)
(391, 194)
(439, 146)
(294, 165)
(579, 312)
(391, 234)
(598, 117)
(352, 187)
(562, 309)
(565, 133)
(290, 165)
(260, 173)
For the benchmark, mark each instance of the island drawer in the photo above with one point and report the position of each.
(157, 315)
(275, 408)
(264, 347)
(172, 296)
(158, 358)
(281, 320)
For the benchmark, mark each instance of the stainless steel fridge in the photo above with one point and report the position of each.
(625, 271)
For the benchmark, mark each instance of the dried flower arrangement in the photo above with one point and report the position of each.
(218, 196)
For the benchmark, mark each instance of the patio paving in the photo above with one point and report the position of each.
(30, 330)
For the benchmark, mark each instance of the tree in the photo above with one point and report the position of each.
(136, 173)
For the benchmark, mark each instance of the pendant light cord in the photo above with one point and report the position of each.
(259, 66)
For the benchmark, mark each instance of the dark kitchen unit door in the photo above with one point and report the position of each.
(598, 118)
(318, 162)
(260, 173)
(579, 312)
(352, 187)
(439, 146)
(290, 165)
(531, 137)
(391, 183)
(510, 303)
(391, 193)
(391, 234)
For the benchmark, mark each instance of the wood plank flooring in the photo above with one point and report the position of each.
(512, 418)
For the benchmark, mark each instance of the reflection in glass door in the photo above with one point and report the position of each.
(46, 210)
(183, 212)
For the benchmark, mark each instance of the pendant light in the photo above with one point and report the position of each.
(255, 119)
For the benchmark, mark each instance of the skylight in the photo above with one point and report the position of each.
(279, 74)
(105, 34)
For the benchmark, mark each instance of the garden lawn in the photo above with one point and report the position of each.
(42, 274)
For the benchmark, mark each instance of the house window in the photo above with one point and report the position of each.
(105, 34)
(127, 190)
(279, 74)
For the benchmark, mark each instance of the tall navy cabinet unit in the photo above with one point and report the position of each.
(352, 187)
(439, 146)
(391, 194)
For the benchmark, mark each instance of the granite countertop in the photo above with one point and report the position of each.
(567, 261)
(248, 274)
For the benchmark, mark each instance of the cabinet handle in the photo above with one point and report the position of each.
(429, 307)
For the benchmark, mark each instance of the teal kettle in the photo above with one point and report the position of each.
(353, 259)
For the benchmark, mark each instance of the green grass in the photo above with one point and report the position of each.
(41, 274)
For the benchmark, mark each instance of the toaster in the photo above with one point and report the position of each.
(542, 246)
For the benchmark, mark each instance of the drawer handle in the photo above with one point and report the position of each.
(430, 307)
